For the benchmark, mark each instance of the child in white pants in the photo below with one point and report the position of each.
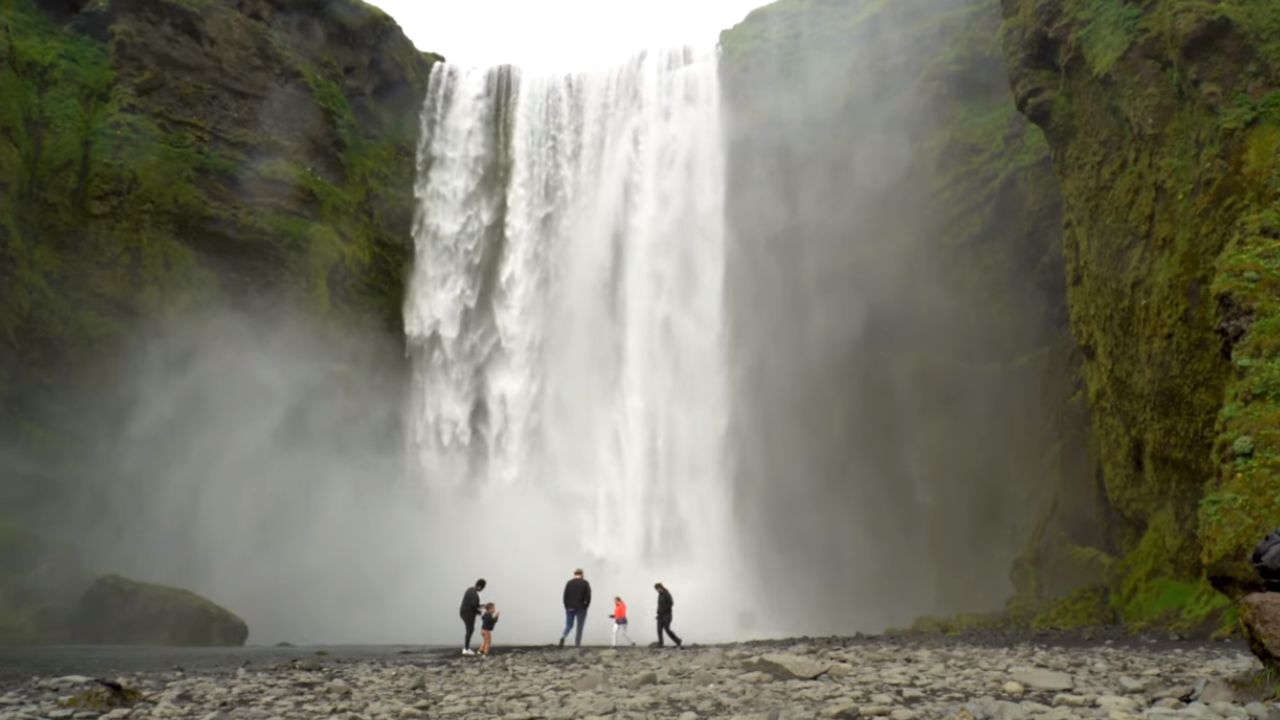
(620, 621)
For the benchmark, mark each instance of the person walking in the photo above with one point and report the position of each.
(620, 621)
(577, 598)
(665, 604)
(469, 610)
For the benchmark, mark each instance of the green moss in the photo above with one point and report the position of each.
(1106, 30)
(102, 698)
(1085, 607)
(328, 94)
(955, 625)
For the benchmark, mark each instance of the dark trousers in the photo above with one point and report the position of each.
(470, 622)
(664, 625)
(569, 617)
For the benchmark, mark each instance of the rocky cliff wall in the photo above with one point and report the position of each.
(158, 156)
(1164, 124)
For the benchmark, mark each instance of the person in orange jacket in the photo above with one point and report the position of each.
(620, 621)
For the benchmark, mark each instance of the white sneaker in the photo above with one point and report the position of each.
(468, 651)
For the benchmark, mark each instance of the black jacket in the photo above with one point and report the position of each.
(577, 594)
(470, 603)
(664, 603)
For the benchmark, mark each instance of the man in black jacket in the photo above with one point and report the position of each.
(469, 610)
(577, 598)
(665, 604)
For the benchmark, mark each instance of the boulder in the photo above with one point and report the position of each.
(119, 611)
(1260, 616)
(790, 667)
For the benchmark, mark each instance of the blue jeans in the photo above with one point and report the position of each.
(569, 616)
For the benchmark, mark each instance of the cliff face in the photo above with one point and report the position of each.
(897, 234)
(1164, 124)
(160, 156)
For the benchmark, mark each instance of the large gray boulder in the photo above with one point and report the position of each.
(119, 611)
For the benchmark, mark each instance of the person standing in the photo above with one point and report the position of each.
(620, 621)
(488, 622)
(665, 604)
(577, 598)
(469, 610)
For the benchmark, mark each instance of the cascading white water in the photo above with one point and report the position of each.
(566, 323)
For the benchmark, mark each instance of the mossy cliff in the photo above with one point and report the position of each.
(1163, 119)
(159, 156)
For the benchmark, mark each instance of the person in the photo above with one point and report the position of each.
(469, 610)
(487, 622)
(664, 614)
(620, 621)
(577, 598)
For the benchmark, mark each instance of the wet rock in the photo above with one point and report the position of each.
(1116, 703)
(844, 710)
(1068, 700)
(1045, 680)
(589, 682)
(1216, 691)
(644, 679)
(1133, 686)
(790, 667)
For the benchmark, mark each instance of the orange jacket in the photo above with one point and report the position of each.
(619, 611)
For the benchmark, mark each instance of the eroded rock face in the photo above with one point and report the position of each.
(119, 611)
(1260, 616)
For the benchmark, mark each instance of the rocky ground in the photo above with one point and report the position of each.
(876, 677)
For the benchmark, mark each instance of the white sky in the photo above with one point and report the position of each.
(560, 34)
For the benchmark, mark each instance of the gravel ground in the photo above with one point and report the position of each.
(900, 679)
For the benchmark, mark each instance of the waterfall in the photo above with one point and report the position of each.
(566, 324)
